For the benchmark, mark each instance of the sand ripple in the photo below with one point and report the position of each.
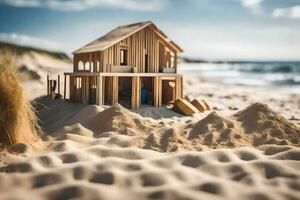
(101, 172)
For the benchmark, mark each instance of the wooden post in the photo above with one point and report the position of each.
(178, 86)
(133, 92)
(100, 91)
(87, 89)
(48, 84)
(115, 90)
(58, 84)
(157, 91)
(175, 62)
(71, 87)
(139, 87)
(136, 92)
(181, 87)
(65, 86)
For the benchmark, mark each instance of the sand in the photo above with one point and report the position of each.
(112, 153)
(101, 172)
(229, 98)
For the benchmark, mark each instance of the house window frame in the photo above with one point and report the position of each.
(123, 57)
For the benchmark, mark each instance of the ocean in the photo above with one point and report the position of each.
(263, 74)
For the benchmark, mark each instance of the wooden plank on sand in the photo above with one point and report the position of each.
(185, 107)
(199, 105)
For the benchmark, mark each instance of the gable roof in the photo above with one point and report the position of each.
(118, 34)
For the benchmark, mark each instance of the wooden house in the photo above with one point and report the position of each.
(127, 65)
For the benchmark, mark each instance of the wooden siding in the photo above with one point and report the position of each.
(146, 41)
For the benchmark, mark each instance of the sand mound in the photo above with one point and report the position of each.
(119, 119)
(267, 126)
(147, 133)
(167, 139)
(56, 114)
(256, 125)
(215, 131)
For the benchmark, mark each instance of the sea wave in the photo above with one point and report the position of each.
(246, 73)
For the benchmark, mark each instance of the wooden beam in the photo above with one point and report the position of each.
(136, 92)
(48, 84)
(65, 85)
(157, 91)
(114, 90)
(58, 84)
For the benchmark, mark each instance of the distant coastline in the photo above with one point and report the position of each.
(184, 59)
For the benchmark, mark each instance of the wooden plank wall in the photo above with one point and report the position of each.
(145, 41)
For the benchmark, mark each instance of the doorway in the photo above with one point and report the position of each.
(168, 92)
(147, 88)
(125, 91)
(92, 90)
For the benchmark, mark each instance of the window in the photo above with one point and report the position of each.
(123, 56)
(92, 67)
(80, 66)
(98, 66)
(87, 66)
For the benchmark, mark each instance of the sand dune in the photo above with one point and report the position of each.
(34, 65)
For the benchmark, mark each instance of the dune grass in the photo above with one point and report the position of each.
(18, 122)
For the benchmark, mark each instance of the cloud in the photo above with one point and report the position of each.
(253, 5)
(291, 12)
(30, 41)
(79, 5)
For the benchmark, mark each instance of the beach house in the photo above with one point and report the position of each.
(131, 65)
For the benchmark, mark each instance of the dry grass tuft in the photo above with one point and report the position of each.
(18, 123)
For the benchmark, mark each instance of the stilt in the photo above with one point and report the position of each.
(48, 84)
(65, 85)
(58, 85)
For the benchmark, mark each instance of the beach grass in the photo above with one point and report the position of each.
(18, 122)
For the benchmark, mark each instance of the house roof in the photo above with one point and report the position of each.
(120, 33)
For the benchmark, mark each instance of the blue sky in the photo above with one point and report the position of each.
(208, 29)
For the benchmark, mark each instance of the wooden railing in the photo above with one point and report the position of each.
(52, 84)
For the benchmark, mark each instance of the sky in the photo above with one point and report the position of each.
(205, 29)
